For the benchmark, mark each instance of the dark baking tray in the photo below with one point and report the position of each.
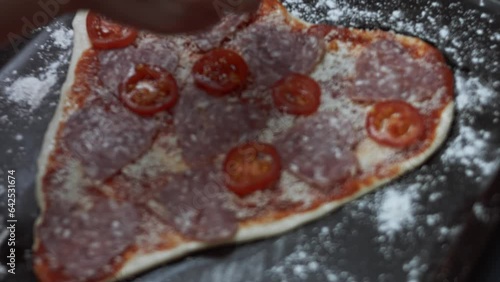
(351, 250)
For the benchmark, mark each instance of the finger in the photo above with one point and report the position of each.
(157, 15)
(171, 16)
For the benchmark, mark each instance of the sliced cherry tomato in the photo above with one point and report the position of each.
(105, 34)
(297, 94)
(220, 72)
(395, 123)
(149, 91)
(252, 167)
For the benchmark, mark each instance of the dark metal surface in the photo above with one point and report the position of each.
(352, 248)
(488, 267)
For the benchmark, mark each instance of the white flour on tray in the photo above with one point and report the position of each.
(28, 91)
(31, 90)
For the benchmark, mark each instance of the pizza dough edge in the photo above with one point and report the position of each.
(81, 43)
(142, 262)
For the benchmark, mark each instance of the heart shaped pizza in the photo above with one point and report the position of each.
(165, 145)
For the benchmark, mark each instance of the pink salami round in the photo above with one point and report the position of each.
(386, 70)
(272, 52)
(115, 66)
(93, 236)
(209, 39)
(319, 150)
(193, 203)
(104, 137)
(209, 125)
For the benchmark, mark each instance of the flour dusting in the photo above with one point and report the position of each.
(396, 212)
(31, 90)
(469, 149)
(28, 91)
(63, 37)
(301, 265)
(414, 269)
(481, 212)
(473, 94)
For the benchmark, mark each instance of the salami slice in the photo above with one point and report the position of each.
(209, 126)
(387, 71)
(104, 137)
(319, 150)
(337, 86)
(117, 65)
(84, 240)
(273, 51)
(193, 202)
(210, 39)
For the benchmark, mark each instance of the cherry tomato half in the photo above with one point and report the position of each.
(395, 124)
(252, 167)
(297, 94)
(149, 91)
(220, 72)
(105, 34)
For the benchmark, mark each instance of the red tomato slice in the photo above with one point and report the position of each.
(220, 72)
(297, 94)
(395, 123)
(149, 91)
(105, 34)
(252, 167)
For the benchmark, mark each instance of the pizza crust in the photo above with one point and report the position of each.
(81, 42)
(143, 261)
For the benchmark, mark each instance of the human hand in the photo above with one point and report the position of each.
(170, 16)
(18, 17)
